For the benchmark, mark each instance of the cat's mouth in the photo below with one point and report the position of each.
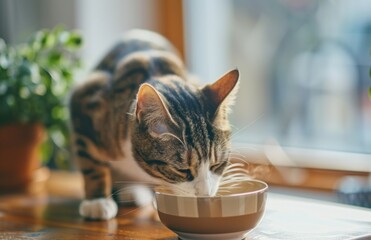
(211, 185)
(207, 188)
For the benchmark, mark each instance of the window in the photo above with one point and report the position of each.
(304, 68)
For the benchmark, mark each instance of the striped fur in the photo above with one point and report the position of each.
(140, 95)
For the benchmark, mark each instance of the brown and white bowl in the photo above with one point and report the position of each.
(227, 216)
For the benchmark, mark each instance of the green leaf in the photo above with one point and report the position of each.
(41, 40)
(74, 40)
(54, 58)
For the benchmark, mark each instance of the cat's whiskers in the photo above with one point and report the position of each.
(233, 154)
(234, 165)
(129, 185)
(241, 159)
(234, 178)
(233, 174)
(236, 170)
(138, 183)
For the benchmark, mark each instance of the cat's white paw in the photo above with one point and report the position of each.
(100, 208)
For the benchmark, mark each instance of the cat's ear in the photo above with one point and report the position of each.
(151, 109)
(221, 94)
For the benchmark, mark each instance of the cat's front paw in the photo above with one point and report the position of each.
(99, 209)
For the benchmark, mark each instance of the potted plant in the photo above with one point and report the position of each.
(34, 79)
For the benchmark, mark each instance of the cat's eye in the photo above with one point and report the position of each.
(218, 168)
(188, 173)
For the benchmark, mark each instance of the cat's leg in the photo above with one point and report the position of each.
(90, 129)
(138, 189)
(98, 203)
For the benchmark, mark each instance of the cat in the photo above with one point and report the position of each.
(141, 108)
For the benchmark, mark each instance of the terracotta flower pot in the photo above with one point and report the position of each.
(19, 155)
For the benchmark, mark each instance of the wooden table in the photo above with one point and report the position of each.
(53, 214)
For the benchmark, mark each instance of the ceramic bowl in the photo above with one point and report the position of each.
(226, 216)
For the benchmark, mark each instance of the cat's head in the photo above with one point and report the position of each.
(181, 133)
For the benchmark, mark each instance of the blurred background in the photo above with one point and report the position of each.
(304, 64)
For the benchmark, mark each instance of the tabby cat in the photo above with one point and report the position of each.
(140, 108)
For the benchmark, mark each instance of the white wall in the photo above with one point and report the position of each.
(102, 23)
